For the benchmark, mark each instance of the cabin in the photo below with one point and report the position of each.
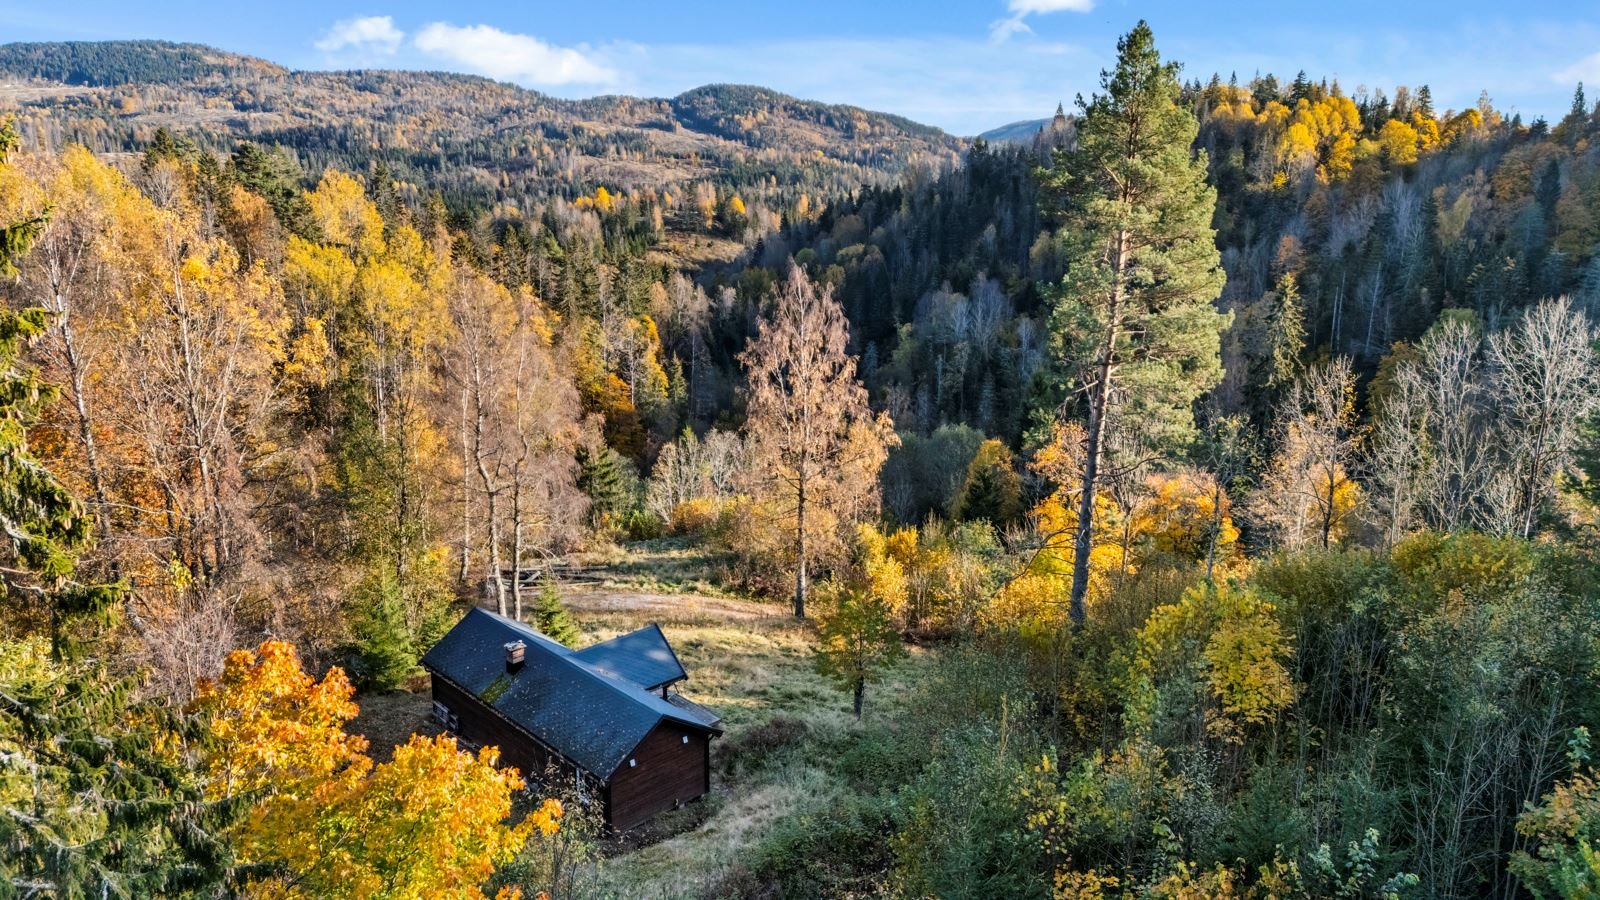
(605, 716)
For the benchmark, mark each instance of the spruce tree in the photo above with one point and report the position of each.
(551, 618)
(601, 477)
(385, 644)
(46, 526)
(1286, 336)
(992, 490)
(1134, 324)
(15, 237)
(94, 802)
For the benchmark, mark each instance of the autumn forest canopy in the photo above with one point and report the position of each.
(1196, 497)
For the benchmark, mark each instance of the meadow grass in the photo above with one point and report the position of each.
(753, 663)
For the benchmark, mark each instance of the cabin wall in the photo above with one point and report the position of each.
(667, 771)
(483, 726)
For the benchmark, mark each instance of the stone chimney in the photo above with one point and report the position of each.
(516, 651)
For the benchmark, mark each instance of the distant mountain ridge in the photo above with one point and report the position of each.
(1015, 132)
(109, 63)
(500, 142)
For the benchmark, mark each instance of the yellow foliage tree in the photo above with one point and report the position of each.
(280, 726)
(1399, 142)
(883, 566)
(431, 823)
(1036, 600)
(344, 216)
(1319, 135)
(1180, 513)
(1232, 640)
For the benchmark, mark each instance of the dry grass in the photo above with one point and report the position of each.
(752, 662)
(388, 720)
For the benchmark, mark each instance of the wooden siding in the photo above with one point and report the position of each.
(483, 726)
(666, 772)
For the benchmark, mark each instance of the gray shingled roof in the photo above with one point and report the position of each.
(643, 657)
(592, 718)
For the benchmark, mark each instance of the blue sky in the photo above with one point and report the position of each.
(965, 66)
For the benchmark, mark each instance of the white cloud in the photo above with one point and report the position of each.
(368, 33)
(508, 56)
(1023, 7)
(1586, 70)
(1001, 30)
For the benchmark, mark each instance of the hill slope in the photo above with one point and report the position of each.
(1015, 132)
(490, 141)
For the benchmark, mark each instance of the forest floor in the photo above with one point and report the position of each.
(751, 662)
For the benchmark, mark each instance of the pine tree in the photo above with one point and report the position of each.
(1134, 320)
(551, 618)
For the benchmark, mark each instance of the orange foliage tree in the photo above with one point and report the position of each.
(324, 821)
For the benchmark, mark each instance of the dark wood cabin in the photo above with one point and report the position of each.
(605, 716)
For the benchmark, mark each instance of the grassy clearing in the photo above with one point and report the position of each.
(670, 565)
(752, 663)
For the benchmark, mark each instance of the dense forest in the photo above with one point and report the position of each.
(1196, 498)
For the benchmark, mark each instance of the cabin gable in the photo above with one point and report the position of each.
(669, 768)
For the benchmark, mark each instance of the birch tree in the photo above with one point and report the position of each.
(1307, 496)
(816, 447)
(1546, 378)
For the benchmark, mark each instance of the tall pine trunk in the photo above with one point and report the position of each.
(1099, 400)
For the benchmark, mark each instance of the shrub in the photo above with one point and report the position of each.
(696, 516)
(838, 851)
(965, 831)
(878, 760)
(749, 750)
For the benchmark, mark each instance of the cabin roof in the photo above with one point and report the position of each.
(642, 657)
(592, 717)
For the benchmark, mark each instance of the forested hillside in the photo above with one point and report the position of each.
(1193, 498)
(481, 144)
